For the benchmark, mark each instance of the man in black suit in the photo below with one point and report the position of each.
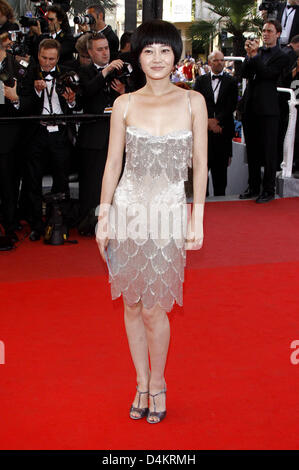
(59, 29)
(9, 134)
(98, 12)
(288, 16)
(262, 67)
(39, 96)
(220, 91)
(93, 137)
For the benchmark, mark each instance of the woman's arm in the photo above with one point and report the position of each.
(112, 171)
(200, 169)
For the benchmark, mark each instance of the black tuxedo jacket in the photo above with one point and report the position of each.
(113, 41)
(295, 24)
(94, 135)
(261, 96)
(30, 102)
(226, 103)
(9, 132)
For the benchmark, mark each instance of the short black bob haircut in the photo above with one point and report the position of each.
(157, 32)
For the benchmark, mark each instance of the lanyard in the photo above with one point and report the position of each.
(49, 95)
(216, 87)
(287, 16)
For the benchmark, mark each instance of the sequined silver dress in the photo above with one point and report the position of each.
(146, 257)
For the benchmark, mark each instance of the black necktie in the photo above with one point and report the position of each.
(217, 77)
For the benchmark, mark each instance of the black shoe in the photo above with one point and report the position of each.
(249, 194)
(19, 227)
(265, 197)
(34, 236)
(13, 236)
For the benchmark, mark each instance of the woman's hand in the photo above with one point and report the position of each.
(194, 238)
(102, 233)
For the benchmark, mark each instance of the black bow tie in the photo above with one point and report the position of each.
(53, 74)
(292, 6)
(217, 77)
(99, 68)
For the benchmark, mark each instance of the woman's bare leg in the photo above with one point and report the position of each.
(158, 337)
(137, 339)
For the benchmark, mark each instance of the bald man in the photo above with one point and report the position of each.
(220, 91)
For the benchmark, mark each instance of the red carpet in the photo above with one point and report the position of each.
(68, 381)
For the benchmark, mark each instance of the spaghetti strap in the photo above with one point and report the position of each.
(127, 107)
(189, 102)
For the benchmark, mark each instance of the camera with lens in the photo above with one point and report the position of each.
(84, 19)
(70, 80)
(19, 46)
(271, 6)
(27, 22)
(6, 77)
(123, 75)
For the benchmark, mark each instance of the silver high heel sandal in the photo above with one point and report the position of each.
(142, 411)
(157, 414)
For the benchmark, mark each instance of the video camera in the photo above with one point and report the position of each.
(40, 15)
(271, 7)
(27, 22)
(84, 19)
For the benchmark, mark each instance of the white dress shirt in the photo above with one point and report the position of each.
(286, 23)
(53, 35)
(54, 100)
(216, 84)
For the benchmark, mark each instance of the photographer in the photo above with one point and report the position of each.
(7, 20)
(99, 25)
(10, 75)
(99, 92)
(59, 29)
(287, 14)
(262, 67)
(40, 95)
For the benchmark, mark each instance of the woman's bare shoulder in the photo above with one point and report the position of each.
(121, 101)
(196, 98)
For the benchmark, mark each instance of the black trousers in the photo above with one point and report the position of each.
(56, 146)
(8, 190)
(91, 170)
(219, 151)
(261, 136)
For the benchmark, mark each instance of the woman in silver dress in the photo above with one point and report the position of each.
(164, 130)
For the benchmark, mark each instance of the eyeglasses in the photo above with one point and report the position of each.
(51, 19)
